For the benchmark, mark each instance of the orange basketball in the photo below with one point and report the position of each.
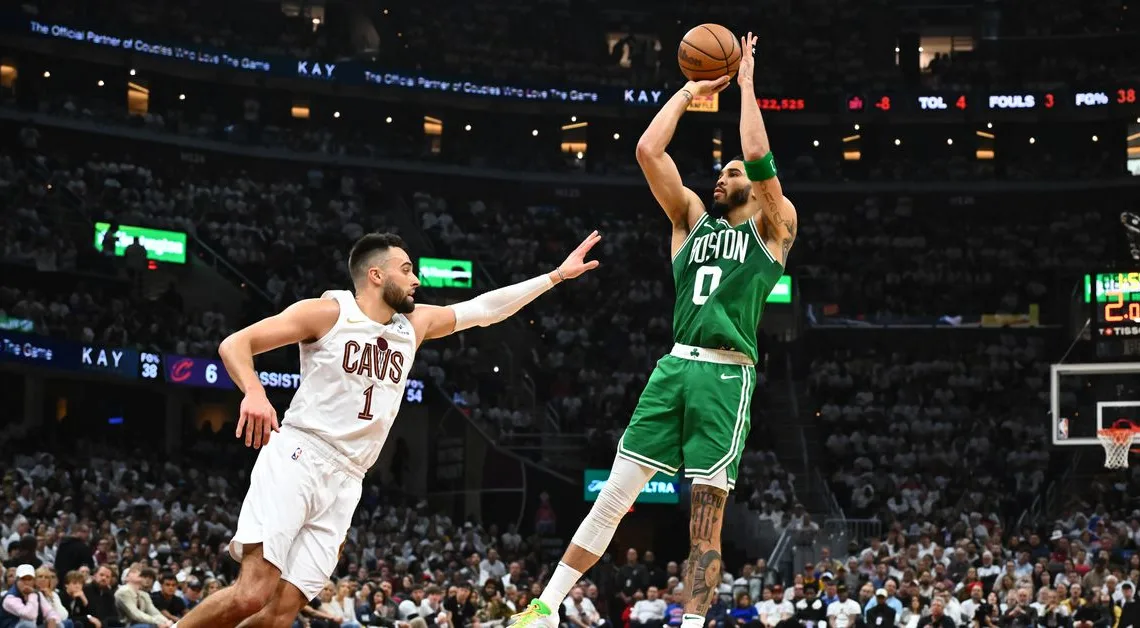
(708, 52)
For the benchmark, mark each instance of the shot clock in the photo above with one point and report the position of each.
(1114, 321)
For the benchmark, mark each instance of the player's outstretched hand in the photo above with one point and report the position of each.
(747, 60)
(708, 88)
(258, 419)
(576, 263)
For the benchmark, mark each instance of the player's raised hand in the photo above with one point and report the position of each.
(576, 263)
(708, 88)
(258, 419)
(747, 60)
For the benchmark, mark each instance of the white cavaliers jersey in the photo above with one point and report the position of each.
(352, 381)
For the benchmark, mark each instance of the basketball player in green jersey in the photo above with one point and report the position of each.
(694, 412)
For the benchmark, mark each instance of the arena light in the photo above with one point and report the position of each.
(132, 72)
(1095, 138)
(581, 154)
(100, 83)
(336, 114)
(856, 127)
(388, 119)
(990, 125)
(898, 142)
(575, 119)
(1033, 140)
(815, 143)
(534, 133)
(47, 74)
(467, 128)
(182, 97)
(617, 136)
(316, 21)
(949, 141)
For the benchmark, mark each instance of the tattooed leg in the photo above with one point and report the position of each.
(703, 567)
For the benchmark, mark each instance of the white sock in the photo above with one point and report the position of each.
(564, 579)
(689, 620)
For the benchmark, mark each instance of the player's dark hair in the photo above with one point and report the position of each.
(367, 245)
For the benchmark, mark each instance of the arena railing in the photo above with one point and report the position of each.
(1046, 502)
(222, 266)
(780, 557)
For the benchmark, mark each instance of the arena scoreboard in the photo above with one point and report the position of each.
(1114, 319)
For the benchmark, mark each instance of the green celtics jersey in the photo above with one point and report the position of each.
(723, 275)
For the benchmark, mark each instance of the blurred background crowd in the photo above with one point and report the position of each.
(899, 467)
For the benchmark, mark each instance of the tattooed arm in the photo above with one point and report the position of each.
(703, 567)
(777, 221)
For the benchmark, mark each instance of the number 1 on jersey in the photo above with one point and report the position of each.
(366, 413)
(700, 292)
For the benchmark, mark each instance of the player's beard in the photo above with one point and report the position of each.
(729, 201)
(397, 300)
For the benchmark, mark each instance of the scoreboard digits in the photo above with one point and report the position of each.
(1115, 317)
(150, 365)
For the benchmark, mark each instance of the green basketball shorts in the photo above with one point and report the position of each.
(693, 414)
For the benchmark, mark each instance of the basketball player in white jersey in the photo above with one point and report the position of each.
(356, 353)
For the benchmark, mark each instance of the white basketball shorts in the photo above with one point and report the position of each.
(302, 494)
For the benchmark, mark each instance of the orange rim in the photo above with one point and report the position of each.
(1118, 435)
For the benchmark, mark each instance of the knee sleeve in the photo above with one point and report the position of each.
(626, 480)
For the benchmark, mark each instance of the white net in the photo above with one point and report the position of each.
(1116, 444)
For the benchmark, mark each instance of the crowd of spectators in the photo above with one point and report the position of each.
(128, 539)
(284, 229)
(903, 423)
(373, 138)
(971, 574)
(916, 266)
(125, 538)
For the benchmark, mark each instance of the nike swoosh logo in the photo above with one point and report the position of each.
(354, 321)
(723, 376)
(707, 225)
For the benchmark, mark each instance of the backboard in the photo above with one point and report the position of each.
(1087, 397)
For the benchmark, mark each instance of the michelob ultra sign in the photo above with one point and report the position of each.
(662, 489)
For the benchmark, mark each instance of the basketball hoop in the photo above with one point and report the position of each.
(1117, 441)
